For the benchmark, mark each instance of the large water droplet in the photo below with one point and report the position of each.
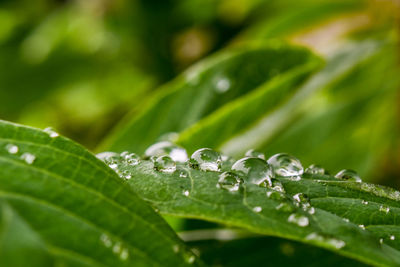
(164, 164)
(253, 170)
(28, 157)
(51, 132)
(255, 154)
(315, 170)
(206, 159)
(285, 165)
(229, 181)
(298, 219)
(348, 175)
(12, 149)
(177, 153)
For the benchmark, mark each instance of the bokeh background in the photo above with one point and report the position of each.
(81, 66)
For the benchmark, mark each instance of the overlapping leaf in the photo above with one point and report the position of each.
(61, 205)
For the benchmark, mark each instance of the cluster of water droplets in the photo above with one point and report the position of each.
(233, 176)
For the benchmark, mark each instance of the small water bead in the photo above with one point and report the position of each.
(229, 181)
(183, 174)
(124, 255)
(106, 240)
(206, 159)
(222, 85)
(117, 248)
(257, 209)
(255, 154)
(175, 248)
(164, 164)
(253, 170)
(186, 193)
(162, 148)
(285, 165)
(335, 243)
(12, 149)
(348, 175)
(384, 209)
(298, 219)
(285, 207)
(107, 156)
(392, 237)
(361, 226)
(302, 200)
(277, 185)
(131, 159)
(381, 240)
(276, 195)
(28, 158)
(51, 132)
(364, 202)
(315, 170)
(126, 174)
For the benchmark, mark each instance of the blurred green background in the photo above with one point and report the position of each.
(81, 66)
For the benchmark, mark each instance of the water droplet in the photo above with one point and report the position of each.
(178, 154)
(255, 154)
(333, 242)
(164, 164)
(381, 240)
(131, 159)
(348, 175)
(28, 158)
(254, 170)
(117, 248)
(183, 173)
(229, 181)
(276, 195)
(186, 193)
(315, 170)
(384, 209)
(124, 255)
(175, 248)
(362, 226)
(392, 237)
(113, 165)
(277, 185)
(302, 200)
(191, 259)
(257, 209)
(106, 240)
(12, 149)
(298, 219)
(222, 85)
(346, 220)
(285, 207)
(107, 156)
(51, 132)
(364, 202)
(206, 159)
(285, 165)
(126, 174)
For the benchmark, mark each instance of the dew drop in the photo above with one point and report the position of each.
(381, 240)
(362, 226)
(28, 157)
(301, 200)
(255, 154)
(124, 255)
(12, 149)
(186, 193)
(333, 242)
(107, 156)
(253, 170)
(164, 164)
(392, 237)
(126, 174)
(384, 209)
(105, 239)
(285, 207)
(364, 202)
(131, 159)
(257, 209)
(178, 154)
(348, 175)
(222, 85)
(315, 170)
(117, 248)
(50, 131)
(298, 219)
(183, 174)
(229, 181)
(175, 248)
(276, 195)
(285, 165)
(206, 159)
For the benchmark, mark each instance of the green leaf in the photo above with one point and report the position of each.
(340, 207)
(62, 205)
(210, 85)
